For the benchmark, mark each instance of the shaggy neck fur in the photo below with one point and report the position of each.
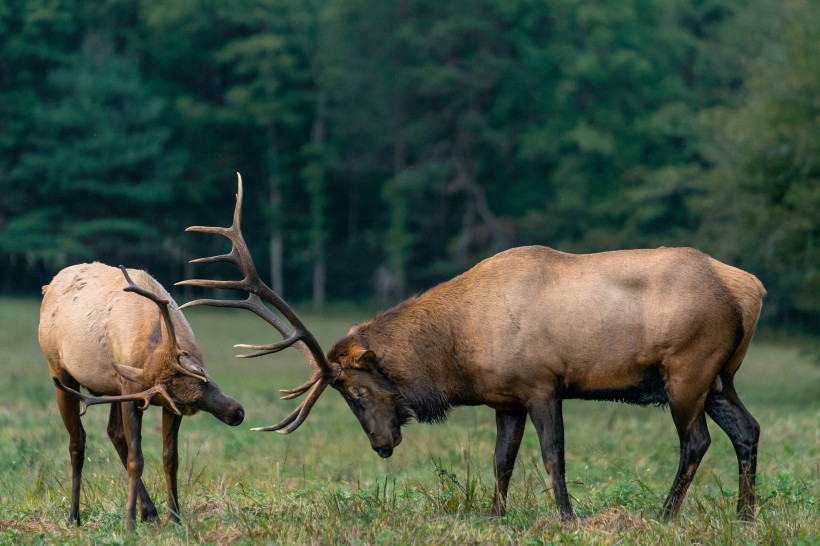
(418, 350)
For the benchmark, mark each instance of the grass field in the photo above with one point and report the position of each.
(324, 485)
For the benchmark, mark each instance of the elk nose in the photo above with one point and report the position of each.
(237, 417)
(384, 452)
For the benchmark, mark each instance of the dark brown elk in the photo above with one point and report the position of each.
(530, 327)
(125, 342)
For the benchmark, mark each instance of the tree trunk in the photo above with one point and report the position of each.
(318, 197)
(275, 244)
(397, 238)
(477, 208)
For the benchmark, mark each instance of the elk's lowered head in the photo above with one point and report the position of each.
(369, 392)
(176, 363)
(192, 394)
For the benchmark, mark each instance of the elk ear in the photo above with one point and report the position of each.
(130, 373)
(366, 360)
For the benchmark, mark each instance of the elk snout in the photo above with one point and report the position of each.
(385, 448)
(223, 407)
(236, 416)
(230, 412)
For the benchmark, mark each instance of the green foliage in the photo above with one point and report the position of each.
(395, 144)
(764, 147)
(34, 38)
(97, 150)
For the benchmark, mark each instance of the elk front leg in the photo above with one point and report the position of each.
(132, 425)
(743, 430)
(170, 460)
(547, 416)
(510, 429)
(70, 413)
(148, 512)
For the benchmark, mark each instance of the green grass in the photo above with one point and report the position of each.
(323, 484)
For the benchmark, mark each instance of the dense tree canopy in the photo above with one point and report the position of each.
(389, 145)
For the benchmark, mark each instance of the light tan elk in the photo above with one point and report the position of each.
(528, 328)
(125, 342)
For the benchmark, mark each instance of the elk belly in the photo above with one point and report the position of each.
(642, 386)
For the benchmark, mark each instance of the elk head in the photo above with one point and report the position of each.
(181, 370)
(372, 397)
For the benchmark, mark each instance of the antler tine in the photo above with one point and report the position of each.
(212, 303)
(271, 348)
(206, 283)
(145, 396)
(297, 416)
(232, 257)
(301, 389)
(214, 230)
(213, 259)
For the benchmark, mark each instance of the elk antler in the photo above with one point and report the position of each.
(145, 396)
(163, 305)
(299, 336)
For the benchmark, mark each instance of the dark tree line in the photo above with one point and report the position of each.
(389, 145)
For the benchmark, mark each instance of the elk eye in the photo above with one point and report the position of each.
(358, 392)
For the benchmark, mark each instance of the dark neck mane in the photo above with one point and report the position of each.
(429, 405)
(417, 348)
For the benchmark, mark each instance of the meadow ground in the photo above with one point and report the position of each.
(324, 485)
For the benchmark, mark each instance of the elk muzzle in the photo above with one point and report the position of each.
(384, 443)
(221, 406)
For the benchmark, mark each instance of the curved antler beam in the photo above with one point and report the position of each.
(145, 396)
(163, 305)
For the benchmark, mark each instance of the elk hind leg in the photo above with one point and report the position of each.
(70, 413)
(549, 423)
(726, 409)
(687, 408)
(510, 428)
(148, 512)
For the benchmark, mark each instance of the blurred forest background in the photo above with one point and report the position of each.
(387, 145)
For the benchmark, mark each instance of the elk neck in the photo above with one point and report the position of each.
(420, 348)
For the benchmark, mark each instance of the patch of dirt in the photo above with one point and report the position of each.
(229, 536)
(205, 508)
(614, 518)
(28, 526)
(31, 527)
